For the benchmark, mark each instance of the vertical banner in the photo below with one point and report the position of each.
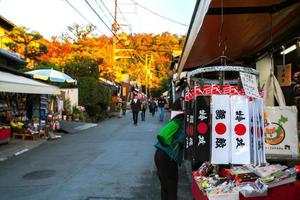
(240, 132)
(220, 129)
(202, 131)
(189, 121)
(260, 129)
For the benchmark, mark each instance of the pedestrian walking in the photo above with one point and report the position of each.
(161, 107)
(168, 156)
(135, 107)
(143, 109)
(152, 107)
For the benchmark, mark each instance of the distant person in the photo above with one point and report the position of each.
(152, 107)
(169, 155)
(143, 109)
(161, 107)
(135, 107)
(124, 107)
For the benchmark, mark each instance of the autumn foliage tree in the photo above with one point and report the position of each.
(27, 43)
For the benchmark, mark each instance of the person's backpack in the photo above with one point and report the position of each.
(166, 133)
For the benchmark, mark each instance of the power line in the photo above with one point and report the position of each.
(107, 9)
(157, 14)
(81, 15)
(100, 18)
(102, 11)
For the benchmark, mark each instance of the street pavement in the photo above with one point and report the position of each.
(113, 160)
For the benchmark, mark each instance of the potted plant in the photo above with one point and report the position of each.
(75, 113)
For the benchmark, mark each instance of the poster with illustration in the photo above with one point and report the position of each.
(281, 131)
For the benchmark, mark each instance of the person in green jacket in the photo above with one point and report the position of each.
(167, 158)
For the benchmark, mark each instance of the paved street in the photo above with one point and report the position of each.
(113, 160)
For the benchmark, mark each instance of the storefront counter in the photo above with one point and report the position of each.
(285, 192)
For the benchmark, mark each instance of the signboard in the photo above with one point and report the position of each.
(284, 74)
(249, 84)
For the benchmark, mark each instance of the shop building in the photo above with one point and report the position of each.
(23, 99)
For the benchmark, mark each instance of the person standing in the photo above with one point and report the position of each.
(135, 107)
(161, 107)
(167, 158)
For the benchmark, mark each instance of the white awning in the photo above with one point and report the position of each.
(19, 84)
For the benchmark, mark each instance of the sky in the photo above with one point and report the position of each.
(51, 17)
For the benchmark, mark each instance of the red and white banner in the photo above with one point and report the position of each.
(240, 134)
(220, 143)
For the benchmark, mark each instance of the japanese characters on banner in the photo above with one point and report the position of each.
(240, 133)
(213, 89)
(202, 131)
(257, 131)
(189, 130)
(220, 108)
(284, 74)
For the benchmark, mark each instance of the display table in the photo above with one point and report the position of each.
(283, 192)
(4, 135)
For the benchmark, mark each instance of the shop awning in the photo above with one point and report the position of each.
(246, 28)
(19, 84)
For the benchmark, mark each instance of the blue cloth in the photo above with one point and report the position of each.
(161, 113)
(174, 150)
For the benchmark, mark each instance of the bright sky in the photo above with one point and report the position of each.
(51, 17)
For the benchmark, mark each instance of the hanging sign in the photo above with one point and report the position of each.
(202, 130)
(249, 84)
(220, 129)
(189, 123)
(284, 74)
(240, 133)
(213, 89)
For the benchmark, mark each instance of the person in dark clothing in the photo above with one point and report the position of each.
(167, 158)
(135, 107)
(152, 107)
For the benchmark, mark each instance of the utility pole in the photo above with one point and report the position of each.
(114, 29)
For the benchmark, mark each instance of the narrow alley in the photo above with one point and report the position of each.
(113, 160)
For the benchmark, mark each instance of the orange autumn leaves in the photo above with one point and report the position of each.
(142, 58)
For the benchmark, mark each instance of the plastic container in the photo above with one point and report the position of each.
(224, 196)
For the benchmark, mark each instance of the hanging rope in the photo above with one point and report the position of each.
(222, 42)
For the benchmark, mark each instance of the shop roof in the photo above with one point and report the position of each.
(248, 27)
(18, 84)
(12, 56)
(6, 24)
